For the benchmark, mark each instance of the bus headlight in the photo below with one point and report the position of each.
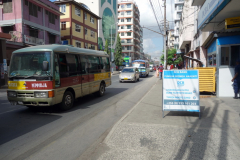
(41, 94)
(12, 94)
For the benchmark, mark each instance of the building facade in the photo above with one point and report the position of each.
(29, 22)
(107, 26)
(177, 17)
(170, 39)
(129, 29)
(79, 26)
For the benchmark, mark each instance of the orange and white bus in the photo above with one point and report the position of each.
(50, 74)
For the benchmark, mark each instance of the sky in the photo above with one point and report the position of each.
(153, 42)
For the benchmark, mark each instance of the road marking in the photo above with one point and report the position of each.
(9, 111)
(116, 125)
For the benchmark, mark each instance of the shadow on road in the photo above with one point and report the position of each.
(17, 123)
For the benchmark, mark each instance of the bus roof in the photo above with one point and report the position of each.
(140, 60)
(61, 48)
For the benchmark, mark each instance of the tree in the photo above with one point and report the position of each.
(106, 47)
(118, 56)
(171, 57)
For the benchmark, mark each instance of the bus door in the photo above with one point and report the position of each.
(68, 68)
(84, 74)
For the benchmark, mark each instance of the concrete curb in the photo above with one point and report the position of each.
(129, 112)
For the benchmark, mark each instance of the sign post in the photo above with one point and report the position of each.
(181, 91)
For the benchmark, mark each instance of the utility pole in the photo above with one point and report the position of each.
(165, 37)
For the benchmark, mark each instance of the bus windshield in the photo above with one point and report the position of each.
(138, 64)
(30, 64)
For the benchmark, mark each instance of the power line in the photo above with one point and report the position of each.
(154, 14)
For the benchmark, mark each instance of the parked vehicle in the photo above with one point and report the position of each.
(130, 74)
(45, 75)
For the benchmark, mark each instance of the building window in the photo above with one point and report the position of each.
(179, 15)
(122, 27)
(33, 32)
(85, 31)
(180, 7)
(51, 38)
(122, 34)
(129, 40)
(7, 29)
(78, 44)
(129, 5)
(86, 45)
(122, 5)
(122, 13)
(129, 33)
(91, 19)
(122, 20)
(129, 47)
(85, 16)
(93, 34)
(78, 12)
(129, 12)
(77, 28)
(33, 11)
(7, 6)
(122, 41)
(123, 48)
(26, 2)
(62, 8)
(51, 17)
(128, 19)
(129, 26)
(225, 55)
(92, 46)
(63, 25)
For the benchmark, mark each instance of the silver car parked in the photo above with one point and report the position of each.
(130, 74)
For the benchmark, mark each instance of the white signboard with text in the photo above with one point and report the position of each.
(181, 90)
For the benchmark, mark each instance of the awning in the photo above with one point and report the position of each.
(54, 33)
(6, 25)
(33, 27)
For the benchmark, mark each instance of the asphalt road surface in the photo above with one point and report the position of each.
(49, 134)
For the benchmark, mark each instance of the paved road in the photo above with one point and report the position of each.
(47, 133)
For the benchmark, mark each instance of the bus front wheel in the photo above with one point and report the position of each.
(67, 101)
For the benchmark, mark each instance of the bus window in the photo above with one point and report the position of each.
(57, 76)
(72, 63)
(84, 65)
(94, 64)
(105, 61)
(63, 63)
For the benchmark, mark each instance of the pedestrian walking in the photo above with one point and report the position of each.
(160, 71)
(236, 79)
(157, 72)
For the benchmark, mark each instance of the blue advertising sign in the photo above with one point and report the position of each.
(181, 90)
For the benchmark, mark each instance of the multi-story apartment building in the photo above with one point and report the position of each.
(29, 22)
(177, 17)
(129, 29)
(79, 26)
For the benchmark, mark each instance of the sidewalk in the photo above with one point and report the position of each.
(144, 134)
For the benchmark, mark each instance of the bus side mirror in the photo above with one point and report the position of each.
(45, 66)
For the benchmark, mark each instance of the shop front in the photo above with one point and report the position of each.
(222, 52)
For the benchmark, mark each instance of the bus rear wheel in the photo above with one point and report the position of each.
(67, 101)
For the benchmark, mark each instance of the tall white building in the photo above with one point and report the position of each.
(129, 29)
(107, 26)
(177, 17)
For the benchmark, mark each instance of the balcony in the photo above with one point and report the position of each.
(180, 1)
(33, 40)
